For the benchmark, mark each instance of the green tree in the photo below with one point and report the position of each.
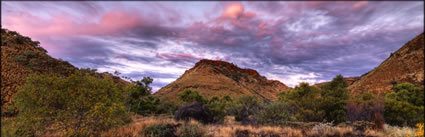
(189, 96)
(404, 105)
(304, 102)
(77, 105)
(335, 96)
(138, 99)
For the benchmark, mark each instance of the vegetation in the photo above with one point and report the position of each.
(273, 114)
(189, 96)
(191, 130)
(405, 105)
(77, 105)
(159, 130)
(140, 100)
(311, 103)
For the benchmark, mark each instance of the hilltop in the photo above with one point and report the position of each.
(220, 78)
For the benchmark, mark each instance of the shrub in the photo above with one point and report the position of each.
(404, 105)
(366, 107)
(304, 102)
(160, 130)
(334, 97)
(273, 114)
(191, 130)
(188, 96)
(77, 105)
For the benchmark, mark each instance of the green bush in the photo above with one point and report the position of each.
(77, 105)
(313, 104)
(334, 97)
(404, 105)
(273, 114)
(250, 103)
(304, 102)
(191, 130)
(188, 96)
(159, 130)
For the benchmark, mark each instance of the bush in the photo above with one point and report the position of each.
(405, 105)
(77, 105)
(304, 102)
(189, 96)
(366, 107)
(191, 130)
(160, 130)
(335, 96)
(273, 114)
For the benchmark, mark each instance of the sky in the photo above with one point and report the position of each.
(293, 42)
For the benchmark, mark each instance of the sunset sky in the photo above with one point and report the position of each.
(287, 41)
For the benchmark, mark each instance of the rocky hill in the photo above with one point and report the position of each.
(219, 78)
(21, 56)
(404, 65)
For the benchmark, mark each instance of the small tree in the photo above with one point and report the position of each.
(304, 102)
(335, 96)
(405, 105)
(77, 105)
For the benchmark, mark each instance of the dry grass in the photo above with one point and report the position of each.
(230, 126)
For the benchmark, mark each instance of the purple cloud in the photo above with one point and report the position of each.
(287, 41)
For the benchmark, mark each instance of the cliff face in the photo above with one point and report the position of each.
(404, 65)
(219, 78)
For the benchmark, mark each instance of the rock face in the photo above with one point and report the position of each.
(404, 65)
(195, 111)
(219, 78)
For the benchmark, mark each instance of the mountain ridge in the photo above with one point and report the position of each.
(220, 78)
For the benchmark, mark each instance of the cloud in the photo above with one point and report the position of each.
(288, 41)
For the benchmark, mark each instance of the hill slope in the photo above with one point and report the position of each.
(404, 65)
(219, 78)
(20, 56)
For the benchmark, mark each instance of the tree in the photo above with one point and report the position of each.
(189, 96)
(77, 105)
(404, 105)
(335, 96)
(304, 102)
(138, 90)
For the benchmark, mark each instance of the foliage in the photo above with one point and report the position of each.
(188, 96)
(77, 105)
(140, 100)
(366, 107)
(310, 103)
(405, 105)
(335, 96)
(17, 39)
(191, 130)
(304, 102)
(218, 107)
(159, 130)
(273, 114)
(247, 102)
